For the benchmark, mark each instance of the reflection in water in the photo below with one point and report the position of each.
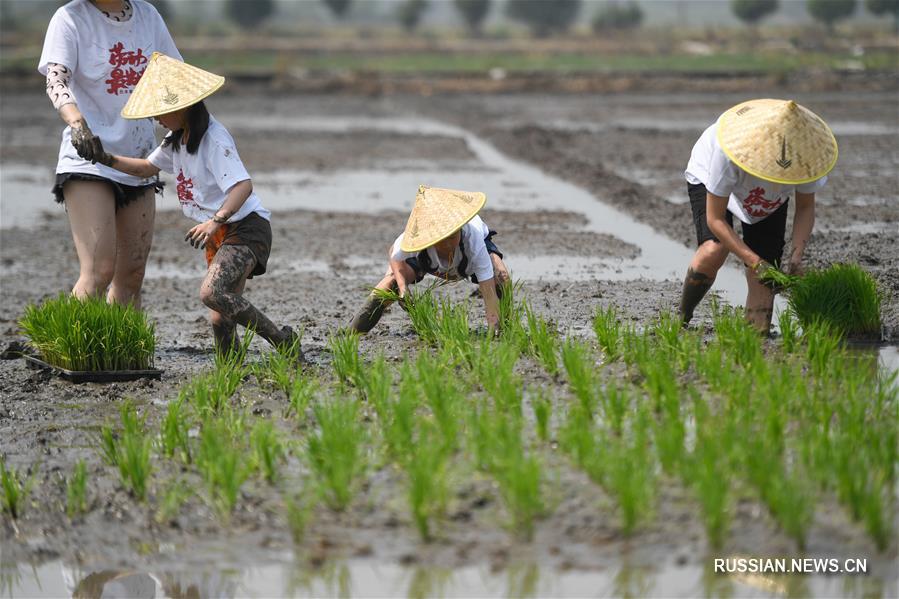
(369, 578)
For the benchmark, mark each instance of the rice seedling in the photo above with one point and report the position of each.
(667, 329)
(608, 331)
(336, 451)
(615, 400)
(441, 393)
(822, 344)
(279, 367)
(397, 416)
(173, 496)
(636, 346)
(511, 312)
(15, 491)
(542, 342)
(210, 393)
(789, 331)
(90, 334)
(575, 358)
(268, 450)
(174, 437)
(518, 474)
(344, 347)
(495, 372)
(778, 278)
(738, 338)
(422, 307)
(710, 475)
(299, 508)
(76, 490)
(377, 383)
(234, 358)
(453, 333)
(542, 407)
(843, 295)
(628, 473)
(302, 390)
(130, 450)
(223, 462)
(426, 469)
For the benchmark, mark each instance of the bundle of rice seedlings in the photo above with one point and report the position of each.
(844, 296)
(90, 334)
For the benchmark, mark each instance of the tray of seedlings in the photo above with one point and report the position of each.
(843, 297)
(89, 340)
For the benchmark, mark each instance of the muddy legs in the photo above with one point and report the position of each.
(707, 260)
(222, 292)
(696, 285)
(373, 308)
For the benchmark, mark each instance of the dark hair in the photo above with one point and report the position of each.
(197, 123)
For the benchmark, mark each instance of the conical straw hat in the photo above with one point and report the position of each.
(778, 140)
(168, 85)
(437, 214)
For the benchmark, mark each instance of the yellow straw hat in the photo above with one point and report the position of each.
(168, 85)
(778, 140)
(437, 214)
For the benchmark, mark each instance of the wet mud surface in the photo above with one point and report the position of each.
(323, 262)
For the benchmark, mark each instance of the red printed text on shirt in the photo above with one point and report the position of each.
(756, 205)
(127, 67)
(185, 195)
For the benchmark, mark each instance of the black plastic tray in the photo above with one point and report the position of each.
(93, 376)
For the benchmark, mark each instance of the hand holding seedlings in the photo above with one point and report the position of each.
(199, 235)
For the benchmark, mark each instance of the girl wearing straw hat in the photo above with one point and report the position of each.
(444, 238)
(747, 164)
(94, 53)
(213, 187)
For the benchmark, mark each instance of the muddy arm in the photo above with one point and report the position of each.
(491, 305)
(716, 209)
(139, 167)
(803, 223)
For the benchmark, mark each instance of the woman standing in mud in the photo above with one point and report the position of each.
(747, 164)
(214, 189)
(94, 54)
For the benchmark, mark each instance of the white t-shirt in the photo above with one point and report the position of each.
(106, 58)
(479, 264)
(749, 198)
(203, 179)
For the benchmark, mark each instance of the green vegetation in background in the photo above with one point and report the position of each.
(263, 61)
(434, 62)
(90, 334)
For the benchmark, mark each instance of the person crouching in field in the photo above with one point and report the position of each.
(747, 164)
(444, 238)
(214, 189)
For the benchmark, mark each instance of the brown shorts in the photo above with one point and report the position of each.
(252, 231)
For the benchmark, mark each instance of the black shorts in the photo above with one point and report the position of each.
(252, 231)
(765, 238)
(124, 194)
(491, 249)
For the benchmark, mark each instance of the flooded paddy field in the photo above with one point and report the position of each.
(586, 193)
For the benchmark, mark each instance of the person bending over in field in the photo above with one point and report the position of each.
(444, 238)
(213, 187)
(747, 164)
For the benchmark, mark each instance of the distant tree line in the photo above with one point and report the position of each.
(546, 17)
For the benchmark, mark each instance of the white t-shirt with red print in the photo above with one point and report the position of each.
(474, 232)
(107, 58)
(749, 198)
(203, 179)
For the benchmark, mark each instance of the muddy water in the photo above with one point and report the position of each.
(509, 185)
(363, 578)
